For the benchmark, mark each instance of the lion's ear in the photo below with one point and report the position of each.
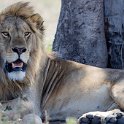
(38, 21)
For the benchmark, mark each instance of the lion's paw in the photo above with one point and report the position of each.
(115, 118)
(109, 117)
(90, 119)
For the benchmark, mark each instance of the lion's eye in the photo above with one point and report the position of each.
(27, 34)
(5, 34)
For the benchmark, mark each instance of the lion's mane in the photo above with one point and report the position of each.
(13, 88)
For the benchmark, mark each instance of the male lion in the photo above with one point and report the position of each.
(62, 88)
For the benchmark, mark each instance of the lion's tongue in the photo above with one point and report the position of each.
(19, 65)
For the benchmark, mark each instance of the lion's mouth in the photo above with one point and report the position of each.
(17, 65)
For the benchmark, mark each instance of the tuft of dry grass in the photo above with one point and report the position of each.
(5, 117)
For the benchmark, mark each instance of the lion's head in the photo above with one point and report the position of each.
(21, 32)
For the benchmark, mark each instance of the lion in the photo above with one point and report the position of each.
(62, 88)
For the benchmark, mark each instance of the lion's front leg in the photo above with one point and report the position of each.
(109, 117)
(20, 110)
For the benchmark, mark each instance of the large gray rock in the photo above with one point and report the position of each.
(80, 32)
(114, 27)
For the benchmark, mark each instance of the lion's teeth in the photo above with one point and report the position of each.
(15, 65)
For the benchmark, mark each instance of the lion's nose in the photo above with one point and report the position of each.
(19, 50)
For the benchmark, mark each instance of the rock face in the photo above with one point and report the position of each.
(114, 27)
(80, 32)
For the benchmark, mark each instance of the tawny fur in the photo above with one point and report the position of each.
(63, 88)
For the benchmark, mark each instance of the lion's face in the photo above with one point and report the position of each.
(16, 44)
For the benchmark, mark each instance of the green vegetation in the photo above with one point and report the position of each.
(71, 120)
